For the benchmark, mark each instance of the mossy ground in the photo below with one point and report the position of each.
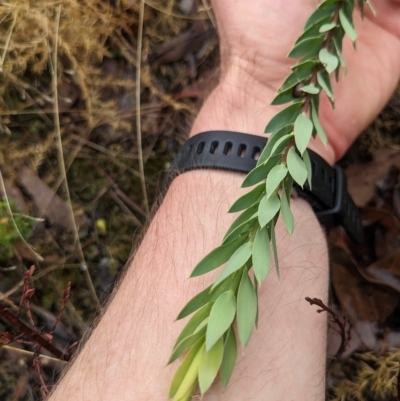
(84, 54)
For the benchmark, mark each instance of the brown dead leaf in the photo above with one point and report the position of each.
(362, 177)
(360, 299)
(47, 202)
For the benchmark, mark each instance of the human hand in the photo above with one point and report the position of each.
(256, 38)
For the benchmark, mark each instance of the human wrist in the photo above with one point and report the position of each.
(241, 103)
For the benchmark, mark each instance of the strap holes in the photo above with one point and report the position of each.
(242, 150)
(256, 153)
(228, 148)
(200, 148)
(213, 147)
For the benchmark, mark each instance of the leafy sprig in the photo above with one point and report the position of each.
(209, 337)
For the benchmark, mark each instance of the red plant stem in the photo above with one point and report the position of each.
(26, 330)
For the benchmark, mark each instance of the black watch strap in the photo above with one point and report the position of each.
(234, 151)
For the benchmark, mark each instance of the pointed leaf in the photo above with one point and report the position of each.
(284, 117)
(229, 358)
(274, 249)
(191, 359)
(268, 208)
(342, 61)
(329, 60)
(312, 89)
(242, 218)
(247, 200)
(306, 46)
(272, 140)
(286, 213)
(307, 163)
(246, 309)
(317, 124)
(275, 177)
(296, 167)
(210, 363)
(323, 11)
(314, 29)
(221, 317)
(216, 258)
(186, 343)
(261, 254)
(260, 173)
(242, 230)
(284, 97)
(347, 26)
(281, 145)
(303, 128)
(194, 322)
(238, 260)
(325, 83)
(302, 72)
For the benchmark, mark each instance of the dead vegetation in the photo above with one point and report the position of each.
(73, 108)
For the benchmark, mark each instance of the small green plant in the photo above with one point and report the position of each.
(9, 227)
(209, 338)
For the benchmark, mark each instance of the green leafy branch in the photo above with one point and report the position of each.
(209, 338)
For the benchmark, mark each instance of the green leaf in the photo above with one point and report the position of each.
(216, 258)
(268, 208)
(261, 254)
(361, 7)
(313, 30)
(296, 167)
(342, 61)
(302, 72)
(317, 123)
(327, 27)
(194, 322)
(329, 60)
(347, 26)
(281, 145)
(284, 117)
(324, 10)
(325, 83)
(284, 97)
(272, 140)
(242, 230)
(238, 260)
(246, 309)
(287, 216)
(307, 163)
(204, 297)
(274, 249)
(210, 363)
(189, 364)
(247, 200)
(303, 128)
(306, 47)
(186, 343)
(260, 173)
(229, 358)
(288, 186)
(275, 177)
(242, 218)
(312, 89)
(221, 317)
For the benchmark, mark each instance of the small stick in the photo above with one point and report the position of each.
(342, 329)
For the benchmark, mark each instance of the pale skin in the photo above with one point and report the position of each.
(125, 357)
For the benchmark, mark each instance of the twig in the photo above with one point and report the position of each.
(39, 339)
(342, 327)
(61, 164)
(138, 118)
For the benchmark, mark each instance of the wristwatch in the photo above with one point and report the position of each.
(235, 151)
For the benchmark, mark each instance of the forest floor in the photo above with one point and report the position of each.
(94, 103)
